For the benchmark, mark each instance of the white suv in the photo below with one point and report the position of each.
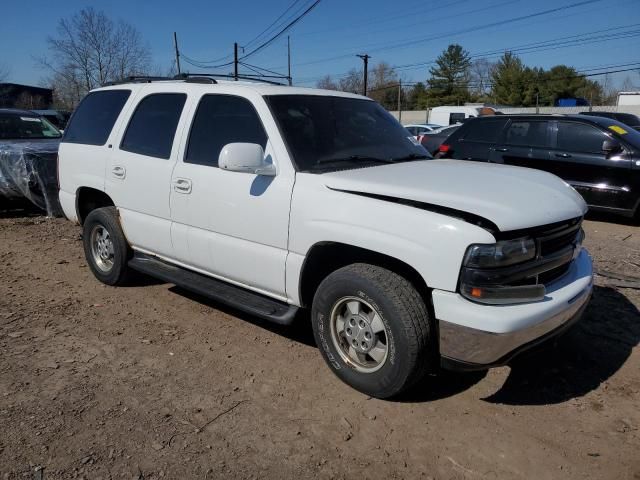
(272, 198)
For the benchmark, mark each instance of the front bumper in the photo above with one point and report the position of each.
(475, 336)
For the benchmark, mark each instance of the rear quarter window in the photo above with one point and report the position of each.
(93, 120)
(483, 130)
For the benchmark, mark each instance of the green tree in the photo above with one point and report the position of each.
(512, 83)
(417, 98)
(449, 81)
(563, 81)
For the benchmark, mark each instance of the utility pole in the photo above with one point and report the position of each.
(537, 103)
(289, 59)
(175, 44)
(235, 61)
(399, 101)
(365, 58)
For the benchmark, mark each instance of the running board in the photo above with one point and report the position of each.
(237, 297)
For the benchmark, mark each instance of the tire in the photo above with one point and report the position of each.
(402, 314)
(107, 259)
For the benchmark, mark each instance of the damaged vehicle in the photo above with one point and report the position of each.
(28, 160)
(273, 199)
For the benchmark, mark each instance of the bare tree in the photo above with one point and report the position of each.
(91, 49)
(480, 77)
(384, 85)
(30, 101)
(4, 72)
(627, 85)
(352, 82)
(327, 83)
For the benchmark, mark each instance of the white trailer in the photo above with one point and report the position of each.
(451, 114)
(628, 98)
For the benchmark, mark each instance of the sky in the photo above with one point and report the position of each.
(591, 35)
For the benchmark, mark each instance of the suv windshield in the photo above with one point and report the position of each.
(327, 133)
(18, 126)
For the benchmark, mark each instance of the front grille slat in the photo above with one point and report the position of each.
(549, 242)
(553, 242)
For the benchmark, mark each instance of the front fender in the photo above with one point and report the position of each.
(432, 243)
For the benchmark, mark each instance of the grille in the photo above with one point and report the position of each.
(555, 241)
(558, 240)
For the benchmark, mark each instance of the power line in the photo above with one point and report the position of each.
(271, 25)
(538, 81)
(561, 42)
(568, 41)
(283, 30)
(455, 33)
(411, 12)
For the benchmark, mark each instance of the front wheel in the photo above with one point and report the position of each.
(105, 246)
(373, 329)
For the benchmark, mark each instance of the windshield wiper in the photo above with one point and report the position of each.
(412, 156)
(354, 158)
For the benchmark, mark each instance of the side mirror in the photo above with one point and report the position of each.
(611, 146)
(245, 158)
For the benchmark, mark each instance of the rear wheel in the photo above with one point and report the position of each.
(105, 246)
(373, 329)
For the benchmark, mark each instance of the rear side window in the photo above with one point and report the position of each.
(527, 133)
(579, 137)
(93, 120)
(484, 130)
(153, 125)
(219, 120)
(456, 118)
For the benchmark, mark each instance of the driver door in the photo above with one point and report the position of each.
(232, 225)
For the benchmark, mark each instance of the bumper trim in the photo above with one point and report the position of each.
(473, 349)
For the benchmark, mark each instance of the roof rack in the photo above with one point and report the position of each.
(137, 79)
(196, 78)
(255, 78)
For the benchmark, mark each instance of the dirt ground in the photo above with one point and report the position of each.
(149, 381)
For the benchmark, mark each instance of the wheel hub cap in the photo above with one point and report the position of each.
(359, 334)
(102, 248)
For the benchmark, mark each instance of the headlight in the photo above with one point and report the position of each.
(500, 254)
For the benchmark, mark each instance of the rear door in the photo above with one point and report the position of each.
(602, 179)
(524, 143)
(139, 175)
(475, 140)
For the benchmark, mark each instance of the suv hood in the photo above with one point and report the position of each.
(510, 197)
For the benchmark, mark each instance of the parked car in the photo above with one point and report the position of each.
(599, 157)
(629, 119)
(59, 118)
(432, 140)
(421, 128)
(272, 198)
(28, 168)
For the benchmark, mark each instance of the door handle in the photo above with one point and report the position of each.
(182, 185)
(502, 149)
(119, 171)
(563, 155)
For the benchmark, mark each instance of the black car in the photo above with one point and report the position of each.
(432, 140)
(28, 159)
(627, 118)
(599, 157)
